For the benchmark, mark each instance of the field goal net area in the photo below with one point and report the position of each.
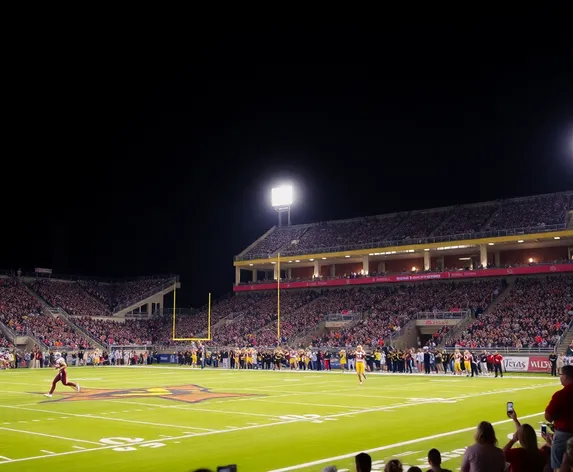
(190, 325)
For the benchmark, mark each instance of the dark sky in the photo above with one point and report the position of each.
(156, 154)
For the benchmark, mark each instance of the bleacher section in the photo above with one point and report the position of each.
(534, 315)
(534, 309)
(546, 211)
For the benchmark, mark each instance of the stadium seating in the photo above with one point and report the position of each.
(390, 309)
(16, 304)
(4, 343)
(55, 332)
(276, 240)
(535, 314)
(466, 219)
(137, 332)
(529, 212)
(386, 308)
(118, 294)
(71, 297)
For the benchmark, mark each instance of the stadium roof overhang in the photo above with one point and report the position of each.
(463, 247)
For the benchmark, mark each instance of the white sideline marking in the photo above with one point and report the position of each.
(5, 459)
(47, 452)
(392, 446)
(48, 435)
(96, 417)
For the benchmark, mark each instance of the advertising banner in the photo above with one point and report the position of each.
(447, 322)
(539, 364)
(462, 274)
(41, 270)
(515, 364)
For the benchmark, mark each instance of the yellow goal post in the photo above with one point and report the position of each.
(174, 321)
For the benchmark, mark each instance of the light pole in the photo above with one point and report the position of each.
(281, 199)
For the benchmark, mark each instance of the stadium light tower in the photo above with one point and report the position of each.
(281, 199)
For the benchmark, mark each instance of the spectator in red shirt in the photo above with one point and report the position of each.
(560, 413)
(497, 360)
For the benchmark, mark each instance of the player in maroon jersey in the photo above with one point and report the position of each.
(61, 377)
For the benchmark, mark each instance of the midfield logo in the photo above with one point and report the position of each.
(183, 393)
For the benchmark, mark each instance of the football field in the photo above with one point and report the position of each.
(179, 419)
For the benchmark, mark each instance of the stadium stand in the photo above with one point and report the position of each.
(535, 314)
(136, 332)
(385, 309)
(4, 343)
(531, 212)
(121, 294)
(54, 332)
(16, 304)
(539, 211)
(71, 297)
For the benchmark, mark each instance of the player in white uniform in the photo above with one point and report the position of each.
(62, 376)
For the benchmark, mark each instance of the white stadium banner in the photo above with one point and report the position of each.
(515, 364)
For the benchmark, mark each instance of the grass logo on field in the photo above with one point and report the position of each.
(183, 393)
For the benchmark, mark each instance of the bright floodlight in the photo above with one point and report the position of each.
(282, 196)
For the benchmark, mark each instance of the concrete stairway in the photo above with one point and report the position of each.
(456, 332)
(561, 348)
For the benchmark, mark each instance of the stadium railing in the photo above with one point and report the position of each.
(409, 241)
(506, 349)
(443, 315)
(8, 333)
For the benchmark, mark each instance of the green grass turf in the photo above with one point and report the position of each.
(142, 418)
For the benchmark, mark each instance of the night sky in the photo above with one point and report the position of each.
(158, 155)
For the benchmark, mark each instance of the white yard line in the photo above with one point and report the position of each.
(267, 400)
(107, 418)
(47, 435)
(191, 408)
(4, 458)
(178, 438)
(391, 446)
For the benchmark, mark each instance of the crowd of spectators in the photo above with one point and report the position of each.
(419, 224)
(389, 309)
(16, 303)
(251, 319)
(71, 297)
(4, 343)
(530, 212)
(55, 332)
(259, 311)
(121, 294)
(535, 314)
(130, 332)
(22, 313)
(466, 219)
(507, 214)
(280, 238)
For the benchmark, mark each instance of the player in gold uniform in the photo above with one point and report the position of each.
(457, 362)
(360, 363)
(342, 355)
(468, 362)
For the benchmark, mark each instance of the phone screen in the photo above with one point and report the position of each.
(543, 429)
(510, 407)
(227, 468)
